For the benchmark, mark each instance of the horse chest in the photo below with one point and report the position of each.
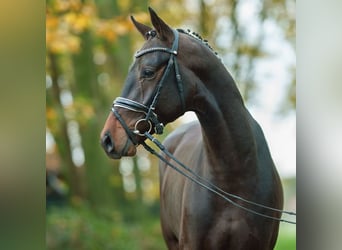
(184, 205)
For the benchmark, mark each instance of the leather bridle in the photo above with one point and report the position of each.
(151, 118)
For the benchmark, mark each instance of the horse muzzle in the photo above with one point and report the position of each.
(122, 134)
(116, 151)
(115, 141)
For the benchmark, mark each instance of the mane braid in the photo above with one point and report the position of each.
(199, 38)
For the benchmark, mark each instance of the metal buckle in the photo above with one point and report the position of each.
(136, 129)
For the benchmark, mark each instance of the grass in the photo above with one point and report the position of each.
(71, 228)
(80, 228)
(287, 237)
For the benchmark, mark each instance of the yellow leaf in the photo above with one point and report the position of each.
(104, 29)
(70, 18)
(81, 23)
(121, 27)
(124, 4)
(63, 43)
(142, 17)
(73, 44)
(62, 5)
(51, 114)
(51, 22)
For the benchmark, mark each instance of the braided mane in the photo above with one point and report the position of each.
(199, 38)
(153, 33)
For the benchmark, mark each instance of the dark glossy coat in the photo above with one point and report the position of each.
(226, 146)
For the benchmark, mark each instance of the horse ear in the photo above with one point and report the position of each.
(142, 28)
(163, 30)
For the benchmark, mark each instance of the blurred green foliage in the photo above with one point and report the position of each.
(79, 227)
(287, 237)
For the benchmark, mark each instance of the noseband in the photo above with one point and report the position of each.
(151, 118)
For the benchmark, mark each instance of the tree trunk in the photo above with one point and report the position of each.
(73, 174)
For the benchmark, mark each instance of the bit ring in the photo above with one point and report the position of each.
(137, 131)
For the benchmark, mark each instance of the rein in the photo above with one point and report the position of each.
(191, 175)
(152, 122)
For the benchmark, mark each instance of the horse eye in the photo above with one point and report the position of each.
(148, 73)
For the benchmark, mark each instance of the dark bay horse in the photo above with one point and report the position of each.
(175, 72)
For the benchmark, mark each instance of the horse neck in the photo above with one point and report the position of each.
(226, 125)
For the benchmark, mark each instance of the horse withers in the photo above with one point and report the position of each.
(176, 71)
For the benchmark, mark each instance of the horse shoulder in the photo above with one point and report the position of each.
(183, 143)
(184, 137)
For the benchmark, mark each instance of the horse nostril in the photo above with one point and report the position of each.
(107, 142)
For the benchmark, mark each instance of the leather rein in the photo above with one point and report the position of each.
(151, 119)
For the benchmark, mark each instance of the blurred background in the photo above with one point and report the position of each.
(97, 203)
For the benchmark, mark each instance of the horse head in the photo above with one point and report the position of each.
(156, 89)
